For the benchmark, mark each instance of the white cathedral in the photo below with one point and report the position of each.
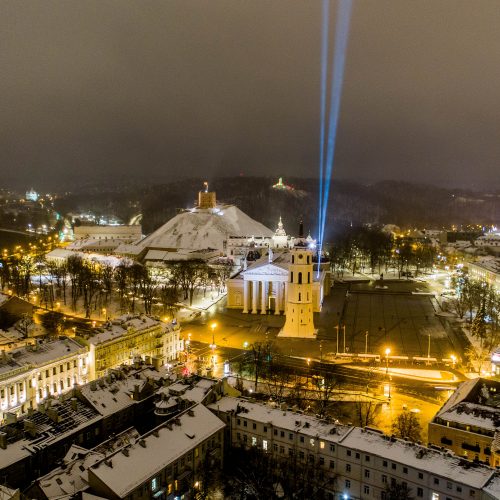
(282, 282)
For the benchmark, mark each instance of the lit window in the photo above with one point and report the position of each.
(154, 483)
(254, 441)
(264, 444)
(311, 441)
(321, 444)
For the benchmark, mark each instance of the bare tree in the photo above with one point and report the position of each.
(407, 426)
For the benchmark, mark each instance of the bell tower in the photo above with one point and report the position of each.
(299, 308)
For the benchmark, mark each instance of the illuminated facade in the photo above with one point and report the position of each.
(31, 373)
(467, 423)
(299, 306)
(129, 337)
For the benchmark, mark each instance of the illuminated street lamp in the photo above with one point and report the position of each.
(213, 326)
(453, 360)
(387, 352)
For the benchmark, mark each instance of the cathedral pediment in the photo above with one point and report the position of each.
(266, 270)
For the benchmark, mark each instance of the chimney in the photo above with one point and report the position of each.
(3, 440)
(301, 228)
(136, 392)
(53, 414)
(10, 418)
(74, 404)
(29, 427)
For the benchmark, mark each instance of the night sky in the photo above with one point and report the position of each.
(164, 89)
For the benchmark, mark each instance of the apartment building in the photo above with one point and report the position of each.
(33, 372)
(122, 340)
(166, 461)
(469, 422)
(355, 463)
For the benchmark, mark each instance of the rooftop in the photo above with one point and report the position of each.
(140, 460)
(39, 354)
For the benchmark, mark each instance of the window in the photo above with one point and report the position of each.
(322, 445)
(420, 492)
(393, 466)
(254, 426)
(332, 464)
(384, 463)
(265, 428)
(282, 450)
(282, 434)
(300, 296)
(366, 489)
(301, 455)
(332, 448)
(54, 370)
(405, 470)
(254, 441)
(238, 421)
(367, 458)
(311, 441)
(420, 475)
(300, 278)
(357, 455)
(46, 373)
(238, 436)
(321, 461)
(449, 485)
(290, 436)
(459, 489)
(367, 473)
(275, 447)
(244, 423)
(472, 493)
(384, 478)
(245, 438)
(347, 483)
(348, 467)
(154, 484)
(275, 432)
(348, 453)
(301, 439)
(311, 458)
(436, 480)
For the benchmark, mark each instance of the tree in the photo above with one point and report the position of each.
(326, 387)
(407, 426)
(365, 413)
(398, 491)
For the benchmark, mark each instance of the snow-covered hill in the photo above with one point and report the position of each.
(198, 229)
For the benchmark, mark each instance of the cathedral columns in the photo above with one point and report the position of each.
(245, 296)
(277, 300)
(255, 292)
(263, 304)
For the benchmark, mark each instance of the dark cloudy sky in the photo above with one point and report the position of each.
(221, 87)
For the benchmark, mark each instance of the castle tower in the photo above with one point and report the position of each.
(299, 308)
(206, 198)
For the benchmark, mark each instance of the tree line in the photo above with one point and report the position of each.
(94, 285)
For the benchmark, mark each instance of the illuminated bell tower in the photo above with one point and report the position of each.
(299, 309)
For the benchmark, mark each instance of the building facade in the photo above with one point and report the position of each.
(469, 422)
(129, 337)
(31, 373)
(350, 462)
(164, 463)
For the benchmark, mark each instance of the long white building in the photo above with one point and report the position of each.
(355, 463)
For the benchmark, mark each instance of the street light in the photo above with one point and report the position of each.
(387, 352)
(453, 360)
(213, 326)
(366, 342)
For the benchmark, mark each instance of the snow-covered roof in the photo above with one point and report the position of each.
(438, 463)
(121, 326)
(289, 420)
(40, 354)
(154, 451)
(198, 229)
(463, 408)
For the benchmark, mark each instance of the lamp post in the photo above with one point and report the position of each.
(343, 330)
(337, 329)
(387, 352)
(213, 326)
(366, 342)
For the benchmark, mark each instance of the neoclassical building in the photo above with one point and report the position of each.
(274, 284)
